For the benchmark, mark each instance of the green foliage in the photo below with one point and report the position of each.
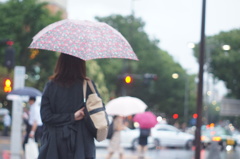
(20, 21)
(224, 65)
(94, 73)
(163, 96)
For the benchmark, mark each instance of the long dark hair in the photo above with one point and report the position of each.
(69, 69)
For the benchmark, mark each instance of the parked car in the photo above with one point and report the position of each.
(218, 134)
(129, 139)
(169, 136)
(205, 139)
(236, 136)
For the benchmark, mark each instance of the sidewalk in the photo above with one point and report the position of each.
(4, 147)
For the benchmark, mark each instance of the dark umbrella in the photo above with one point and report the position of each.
(26, 91)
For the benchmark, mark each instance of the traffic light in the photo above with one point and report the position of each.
(148, 78)
(9, 43)
(9, 57)
(7, 85)
(128, 79)
(175, 116)
(6, 42)
(195, 116)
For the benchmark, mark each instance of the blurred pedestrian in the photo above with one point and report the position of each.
(184, 126)
(25, 115)
(115, 141)
(65, 133)
(176, 124)
(34, 127)
(6, 124)
(143, 141)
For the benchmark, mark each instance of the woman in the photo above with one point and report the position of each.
(143, 141)
(65, 134)
(115, 142)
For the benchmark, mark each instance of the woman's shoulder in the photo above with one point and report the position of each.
(49, 84)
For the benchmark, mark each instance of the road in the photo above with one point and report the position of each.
(160, 153)
(170, 153)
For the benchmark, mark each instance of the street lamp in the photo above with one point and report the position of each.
(175, 76)
(191, 45)
(226, 47)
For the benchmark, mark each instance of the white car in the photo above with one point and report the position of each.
(129, 139)
(169, 136)
(236, 136)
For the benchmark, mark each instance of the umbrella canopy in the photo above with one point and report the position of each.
(83, 39)
(125, 106)
(26, 91)
(146, 120)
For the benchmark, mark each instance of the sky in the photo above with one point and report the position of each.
(176, 23)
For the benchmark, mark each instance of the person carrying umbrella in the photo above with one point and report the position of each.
(146, 121)
(65, 134)
(143, 141)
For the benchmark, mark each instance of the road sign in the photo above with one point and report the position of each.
(230, 107)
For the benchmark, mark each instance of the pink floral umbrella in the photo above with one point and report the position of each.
(146, 120)
(84, 39)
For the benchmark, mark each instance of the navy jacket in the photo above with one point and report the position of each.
(63, 137)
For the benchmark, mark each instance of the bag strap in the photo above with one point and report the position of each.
(89, 82)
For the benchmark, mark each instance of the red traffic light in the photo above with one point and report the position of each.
(128, 79)
(9, 42)
(7, 85)
(195, 115)
(6, 42)
(175, 116)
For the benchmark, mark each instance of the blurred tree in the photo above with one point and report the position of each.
(224, 62)
(161, 95)
(94, 73)
(20, 21)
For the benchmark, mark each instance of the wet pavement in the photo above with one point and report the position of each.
(160, 153)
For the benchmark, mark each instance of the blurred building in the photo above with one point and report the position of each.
(57, 5)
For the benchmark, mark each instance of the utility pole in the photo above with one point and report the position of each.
(200, 84)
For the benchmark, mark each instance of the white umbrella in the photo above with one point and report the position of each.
(125, 106)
